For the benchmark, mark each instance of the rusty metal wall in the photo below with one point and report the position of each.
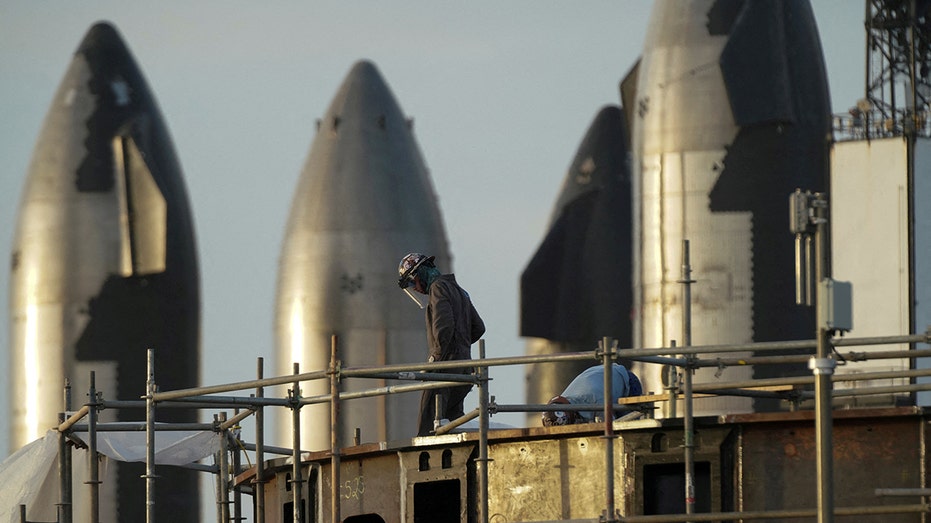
(778, 464)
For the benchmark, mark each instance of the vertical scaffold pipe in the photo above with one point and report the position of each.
(673, 388)
(259, 481)
(237, 463)
(150, 437)
(608, 360)
(223, 502)
(67, 398)
(334, 426)
(64, 463)
(296, 481)
(482, 436)
(688, 421)
(688, 443)
(823, 367)
(64, 475)
(92, 463)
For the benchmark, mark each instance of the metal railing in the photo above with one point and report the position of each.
(683, 357)
(686, 358)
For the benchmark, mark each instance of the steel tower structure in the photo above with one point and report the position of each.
(898, 68)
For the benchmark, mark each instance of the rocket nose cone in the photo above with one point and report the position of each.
(102, 36)
(105, 93)
(607, 113)
(363, 66)
(364, 100)
(109, 60)
(113, 78)
(599, 159)
(365, 73)
(609, 124)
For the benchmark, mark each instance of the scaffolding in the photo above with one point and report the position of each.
(684, 358)
(898, 66)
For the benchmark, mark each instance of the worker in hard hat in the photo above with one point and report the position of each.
(588, 389)
(453, 325)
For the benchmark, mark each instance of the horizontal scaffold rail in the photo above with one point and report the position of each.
(451, 373)
(363, 372)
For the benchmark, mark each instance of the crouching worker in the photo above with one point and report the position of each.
(588, 389)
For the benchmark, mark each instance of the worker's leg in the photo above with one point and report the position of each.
(455, 398)
(427, 412)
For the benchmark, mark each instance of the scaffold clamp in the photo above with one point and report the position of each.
(822, 365)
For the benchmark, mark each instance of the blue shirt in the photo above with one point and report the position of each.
(588, 387)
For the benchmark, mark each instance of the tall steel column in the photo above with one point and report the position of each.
(334, 371)
(687, 418)
(259, 482)
(822, 365)
(809, 216)
(296, 481)
(150, 389)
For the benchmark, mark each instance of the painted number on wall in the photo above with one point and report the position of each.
(352, 488)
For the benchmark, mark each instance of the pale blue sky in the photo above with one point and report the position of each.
(501, 94)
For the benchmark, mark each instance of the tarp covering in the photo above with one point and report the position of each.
(171, 448)
(30, 475)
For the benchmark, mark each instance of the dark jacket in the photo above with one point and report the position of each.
(453, 324)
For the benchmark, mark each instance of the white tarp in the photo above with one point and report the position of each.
(171, 447)
(30, 475)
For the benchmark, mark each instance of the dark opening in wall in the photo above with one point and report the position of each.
(437, 501)
(365, 518)
(664, 488)
(287, 511)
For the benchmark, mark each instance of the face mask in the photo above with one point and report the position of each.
(409, 293)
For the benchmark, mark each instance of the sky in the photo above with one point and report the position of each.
(501, 94)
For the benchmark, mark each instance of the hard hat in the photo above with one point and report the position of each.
(407, 269)
(561, 417)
